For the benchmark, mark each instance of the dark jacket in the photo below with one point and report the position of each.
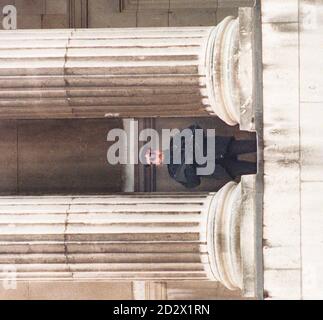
(186, 173)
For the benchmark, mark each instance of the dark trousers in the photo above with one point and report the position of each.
(237, 167)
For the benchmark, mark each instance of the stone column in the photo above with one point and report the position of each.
(141, 72)
(78, 13)
(183, 290)
(150, 290)
(123, 237)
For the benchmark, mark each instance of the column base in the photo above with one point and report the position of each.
(224, 236)
(231, 236)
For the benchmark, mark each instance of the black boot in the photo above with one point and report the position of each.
(237, 147)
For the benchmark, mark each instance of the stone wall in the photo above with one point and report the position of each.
(293, 152)
(57, 157)
(36, 14)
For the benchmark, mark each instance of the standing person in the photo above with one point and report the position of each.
(227, 165)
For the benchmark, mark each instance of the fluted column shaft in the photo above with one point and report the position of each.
(128, 237)
(140, 72)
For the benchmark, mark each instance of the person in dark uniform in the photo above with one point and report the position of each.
(226, 152)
